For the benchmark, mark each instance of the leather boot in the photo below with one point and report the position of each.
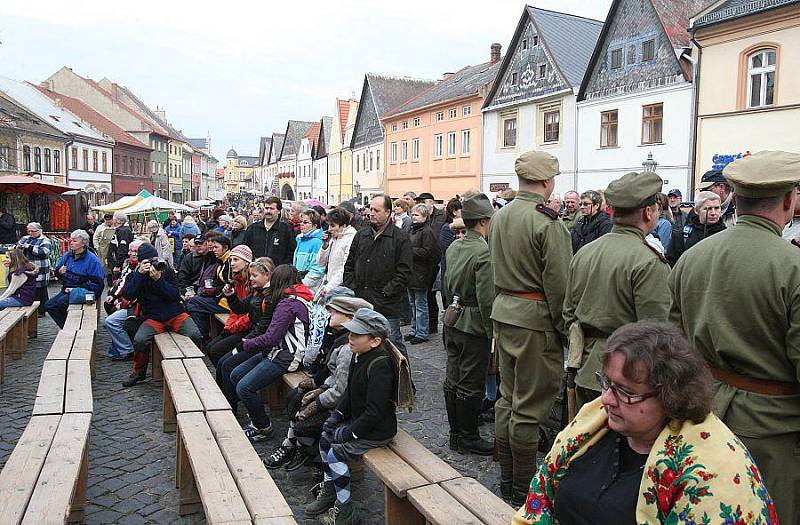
(470, 441)
(525, 466)
(506, 460)
(452, 419)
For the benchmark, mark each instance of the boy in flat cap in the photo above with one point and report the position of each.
(616, 279)
(749, 334)
(364, 417)
(468, 339)
(530, 250)
(310, 404)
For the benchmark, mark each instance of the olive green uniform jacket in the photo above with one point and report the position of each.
(530, 252)
(469, 276)
(615, 280)
(571, 219)
(737, 297)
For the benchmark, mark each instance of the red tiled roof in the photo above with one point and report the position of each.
(156, 128)
(95, 119)
(313, 134)
(674, 16)
(344, 110)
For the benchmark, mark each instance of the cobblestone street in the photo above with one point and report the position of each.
(132, 462)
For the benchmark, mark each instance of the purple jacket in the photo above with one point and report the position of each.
(287, 312)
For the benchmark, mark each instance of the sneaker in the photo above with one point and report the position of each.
(134, 378)
(298, 461)
(280, 457)
(255, 434)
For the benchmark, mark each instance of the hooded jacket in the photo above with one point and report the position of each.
(305, 253)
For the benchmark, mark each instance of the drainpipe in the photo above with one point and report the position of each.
(575, 171)
(695, 111)
(483, 157)
(67, 155)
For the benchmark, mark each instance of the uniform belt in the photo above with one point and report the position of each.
(531, 296)
(757, 386)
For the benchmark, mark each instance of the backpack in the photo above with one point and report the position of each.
(403, 391)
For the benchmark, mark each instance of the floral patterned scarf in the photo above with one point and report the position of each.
(695, 475)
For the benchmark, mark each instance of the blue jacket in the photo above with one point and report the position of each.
(175, 233)
(663, 231)
(305, 253)
(83, 271)
(159, 300)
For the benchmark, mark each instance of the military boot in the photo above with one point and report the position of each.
(344, 514)
(506, 460)
(524, 470)
(326, 497)
(470, 441)
(452, 418)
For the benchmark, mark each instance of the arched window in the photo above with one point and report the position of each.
(47, 165)
(26, 158)
(761, 78)
(56, 161)
(37, 159)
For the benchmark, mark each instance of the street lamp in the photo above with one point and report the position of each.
(357, 190)
(649, 164)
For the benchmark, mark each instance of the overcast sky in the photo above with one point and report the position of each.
(239, 70)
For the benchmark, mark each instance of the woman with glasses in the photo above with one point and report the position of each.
(649, 450)
(309, 242)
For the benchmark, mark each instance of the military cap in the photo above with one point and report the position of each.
(712, 177)
(477, 207)
(536, 165)
(764, 174)
(633, 190)
(368, 322)
(348, 305)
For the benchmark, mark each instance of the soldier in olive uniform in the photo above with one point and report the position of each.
(737, 297)
(468, 340)
(531, 250)
(571, 214)
(619, 278)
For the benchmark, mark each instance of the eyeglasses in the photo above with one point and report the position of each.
(622, 395)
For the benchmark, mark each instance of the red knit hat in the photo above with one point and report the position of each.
(243, 252)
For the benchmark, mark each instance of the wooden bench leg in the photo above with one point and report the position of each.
(16, 341)
(400, 511)
(158, 374)
(356, 470)
(273, 394)
(32, 323)
(2, 361)
(189, 501)
(170, 416)
(77, 511)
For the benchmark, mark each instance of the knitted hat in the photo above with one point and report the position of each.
(243, 252)
(146, 251)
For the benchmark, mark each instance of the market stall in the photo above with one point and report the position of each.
(143, 207)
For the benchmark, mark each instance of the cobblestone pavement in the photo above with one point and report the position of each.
(132, 462)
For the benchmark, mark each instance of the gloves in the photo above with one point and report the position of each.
(332, 422)
(308, 410)
(310, 396)
(307, 384)
(343, 434)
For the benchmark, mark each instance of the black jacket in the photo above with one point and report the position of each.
(588, 229)
(368, 401)
(191, 269)
(8, 229)
(692, 233)
(437, 219)
(278, 243)
(118, 249)
(378, 270)
(237, 237)
(256, 308)
(425, 255)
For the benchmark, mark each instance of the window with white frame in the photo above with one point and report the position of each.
(451, 144)
(394, 126)
(616, 58)
(415, 149)
(542, 70)
(440, 116)
(4, 151)
(437, 146)
(377, 159)
(393, 153)
(405, 124)
(466, 111)
(404, 151)
(552, 124)
(453, 113)
(416, 122)
(648, 50)
(509, 131)
(513, 78)
(761, 67)
(465, 141)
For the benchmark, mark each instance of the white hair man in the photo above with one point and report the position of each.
(118, 248)
(36, 248)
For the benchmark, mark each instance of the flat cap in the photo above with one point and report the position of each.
(712, 177)
(633, 190)
(424, 196)
(536, 165)
(477, 207)
(348, 305)
(764, 174)
(368, 322)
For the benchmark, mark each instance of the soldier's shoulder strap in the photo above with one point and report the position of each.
(553, 214)
(656, 251)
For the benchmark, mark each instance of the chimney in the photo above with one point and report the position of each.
(494, 57)
(447, 75)
(161, 113)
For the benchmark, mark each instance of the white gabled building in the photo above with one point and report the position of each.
(532, 104)
(319, 172)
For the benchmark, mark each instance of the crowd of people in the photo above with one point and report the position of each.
(635, 285)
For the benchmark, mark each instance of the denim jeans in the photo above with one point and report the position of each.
(395, 336)
(251, 376)
(491, 387)
(121, 344)
(57, 308)
(225, 367)
(201, 309)
(418, 299)
(10, 302)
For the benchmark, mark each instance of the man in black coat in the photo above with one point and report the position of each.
(271, 237)
(118, 249)
(595, 222)
(436, 220)
(193, 264)
(379, 265)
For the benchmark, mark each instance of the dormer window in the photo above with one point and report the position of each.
(616, 59)
(535, 40)
(648, 50)
(524, 44)
(513, 78)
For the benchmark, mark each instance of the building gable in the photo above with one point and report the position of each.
(368, 128)
(619, 64)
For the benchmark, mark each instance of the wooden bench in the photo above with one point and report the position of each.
(81, 317)
(13, 339)
(170, 345)
(189, 387)
(65, 387)
(216, 324)
(218, 470)
(31, 318)
(73, 345)
(421, 488)
(44, 479)
(275, 394)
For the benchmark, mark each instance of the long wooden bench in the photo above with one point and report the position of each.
(420, 488)
(73, 345)
(170, 345)
(13, 339)
(81, 316)
(189, 387)
(31, 318)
